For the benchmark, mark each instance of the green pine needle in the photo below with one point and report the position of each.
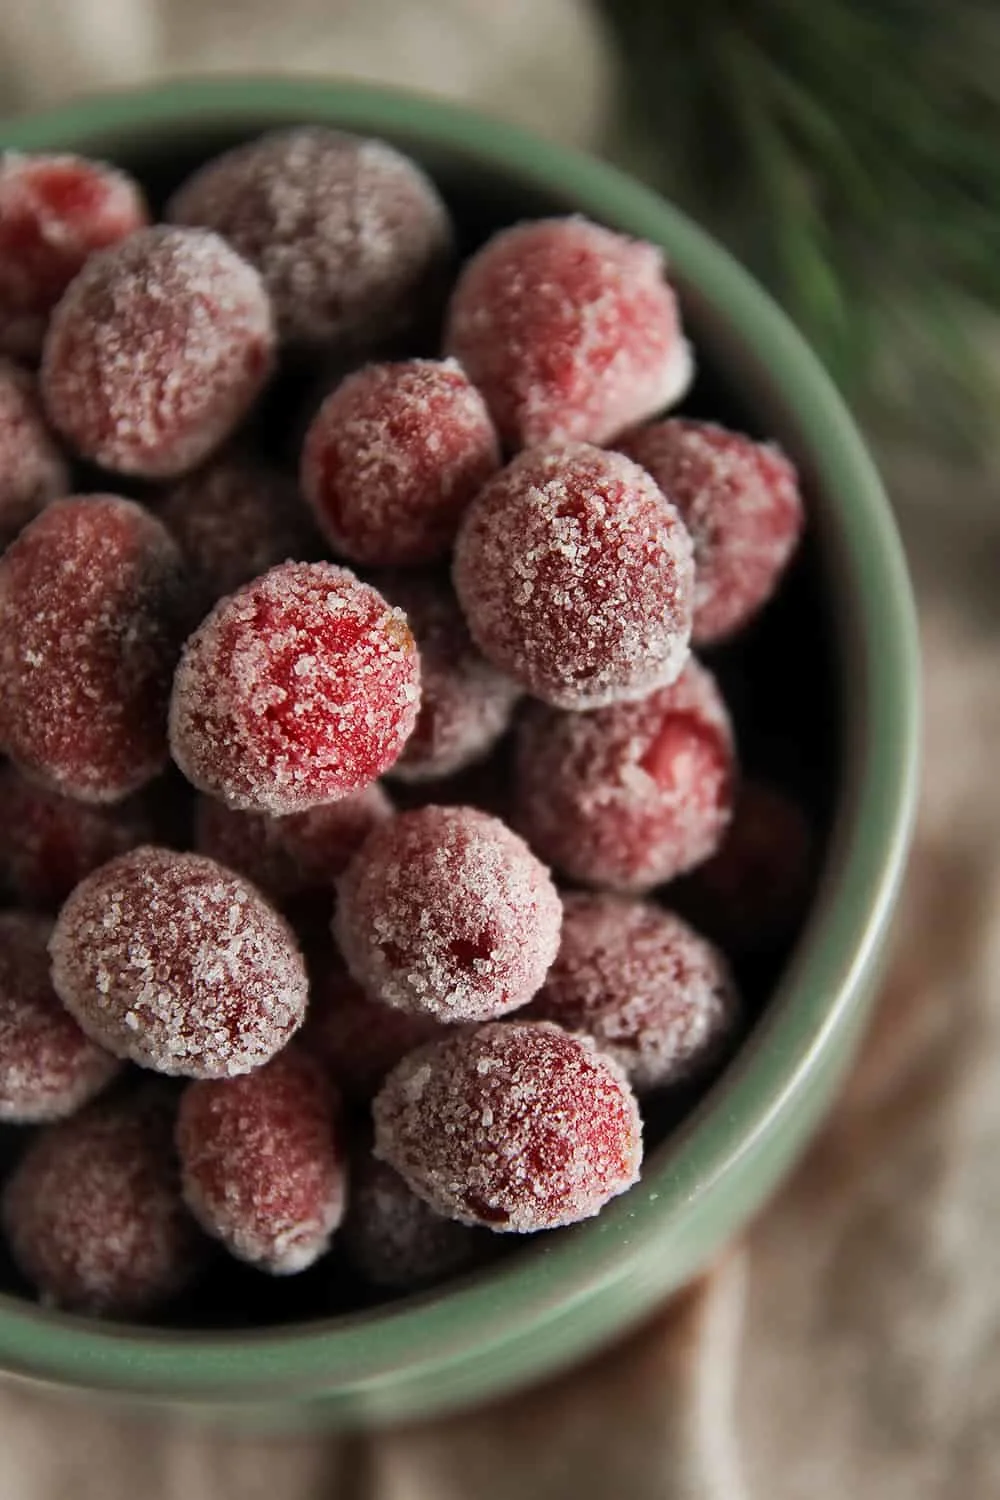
(849, 151)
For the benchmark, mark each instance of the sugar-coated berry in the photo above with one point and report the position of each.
(233, 520)
(50, 842)
(394, 456)
(176, 963)
(569, 330)
(740, 501)
(48, 1068)
(358, 1039)
(575, 575)
(754, 892)
(93, 1212)
(396, 1240)
(55, 211)
(156, 351)
(631, 796)
(346, 232)
(446, 912)
(290, 856)
(300, 688)
(32, 469)
(515, 1125)
(263, 1163)
(653, 993)
(465, 703)
(91, 622)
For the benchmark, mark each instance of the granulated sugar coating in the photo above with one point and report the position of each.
(446, 912)
(48, 1068)
(631, 796)
(94, 1216)
(156, 352)
(55, 211)
(517, 1125)
(465, 704)
(176, 963)
(50, 842)
(263, 1164)
(91, 603)
(394, 456)
(300, 688)
(346, 233)
(290, 856)
(740, 501)
(569, 330)
(233, 520)
(753, 894)
(32, 470)
(576, 577)
(358, 1039)
(652, 993)
(396, 1240)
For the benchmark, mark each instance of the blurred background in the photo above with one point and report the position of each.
(848, 152)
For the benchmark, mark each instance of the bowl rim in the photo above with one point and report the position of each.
(825, 985)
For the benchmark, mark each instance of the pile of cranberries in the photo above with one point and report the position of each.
(337, 804)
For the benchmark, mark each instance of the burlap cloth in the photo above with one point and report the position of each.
(850, 1345)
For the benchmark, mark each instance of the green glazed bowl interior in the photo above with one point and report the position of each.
(554, 1301)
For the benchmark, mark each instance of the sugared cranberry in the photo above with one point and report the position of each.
(358, 1039)
(91, 621)
(55, 211)
(233, 520)
(576, 577)
(176, 963)
(32, 470)
(753, 894)
(652, 993)
(569, 330)
(94, 1215)
(262, 1162)
(446, 912)
(740, 501)
(465, 703)
(394, 456)
(294, 855)
(516, 1125)
(50, 842)
(300, 688)
(48, 1068)
(156, 352)
(631, 796)
(395, 1239)
(347, 233)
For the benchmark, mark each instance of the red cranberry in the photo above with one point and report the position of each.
(394, 456)
(300, 688)
(445, 912)
(91, 622)
(55, 211)
(740, 502)
(631, 796)
(174, 962)
(569, 330)
(262, 1162)
(576, 577)
(94, 1216)
(515, 1125)
(347, 233)
(157, 350)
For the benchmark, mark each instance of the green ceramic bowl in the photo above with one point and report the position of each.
(552, 1303)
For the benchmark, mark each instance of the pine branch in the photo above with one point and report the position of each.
(849, 151)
